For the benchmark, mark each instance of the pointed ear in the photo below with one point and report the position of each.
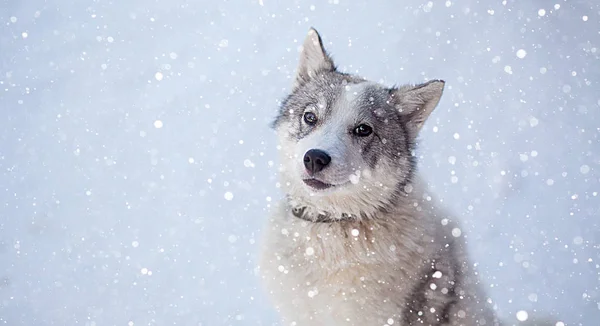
(417, 102)
(313, 59)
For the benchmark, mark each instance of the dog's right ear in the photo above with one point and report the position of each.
(416, 103)
(313, 59)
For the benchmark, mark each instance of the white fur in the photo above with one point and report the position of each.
(321, 274)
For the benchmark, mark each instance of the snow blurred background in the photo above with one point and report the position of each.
(137, 165)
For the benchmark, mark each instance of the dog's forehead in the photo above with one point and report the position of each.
(352, 93)
(362, 99)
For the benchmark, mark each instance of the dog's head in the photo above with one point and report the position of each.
(347, 143)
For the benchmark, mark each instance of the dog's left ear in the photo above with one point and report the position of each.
(313, 59)
(417, 102)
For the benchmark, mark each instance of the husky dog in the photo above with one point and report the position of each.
(358, 239)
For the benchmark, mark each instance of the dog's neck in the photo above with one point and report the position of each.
(307, 211)
(313, 216)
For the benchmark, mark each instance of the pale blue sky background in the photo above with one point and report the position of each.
(106, 219)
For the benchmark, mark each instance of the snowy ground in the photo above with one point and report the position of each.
(136, 162)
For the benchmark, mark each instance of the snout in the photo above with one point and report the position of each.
(315, 160)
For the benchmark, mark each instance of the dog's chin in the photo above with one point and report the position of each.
(318, 186)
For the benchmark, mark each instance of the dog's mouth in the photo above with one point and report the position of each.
(317, 184)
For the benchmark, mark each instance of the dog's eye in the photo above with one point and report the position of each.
(363, 130)
(310, 118)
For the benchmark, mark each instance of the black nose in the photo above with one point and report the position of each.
(316, 160)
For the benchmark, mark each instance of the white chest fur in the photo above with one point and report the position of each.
(343, 273)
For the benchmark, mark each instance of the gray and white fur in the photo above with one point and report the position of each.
(358, 239)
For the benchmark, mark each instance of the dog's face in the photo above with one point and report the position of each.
(347, 143)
